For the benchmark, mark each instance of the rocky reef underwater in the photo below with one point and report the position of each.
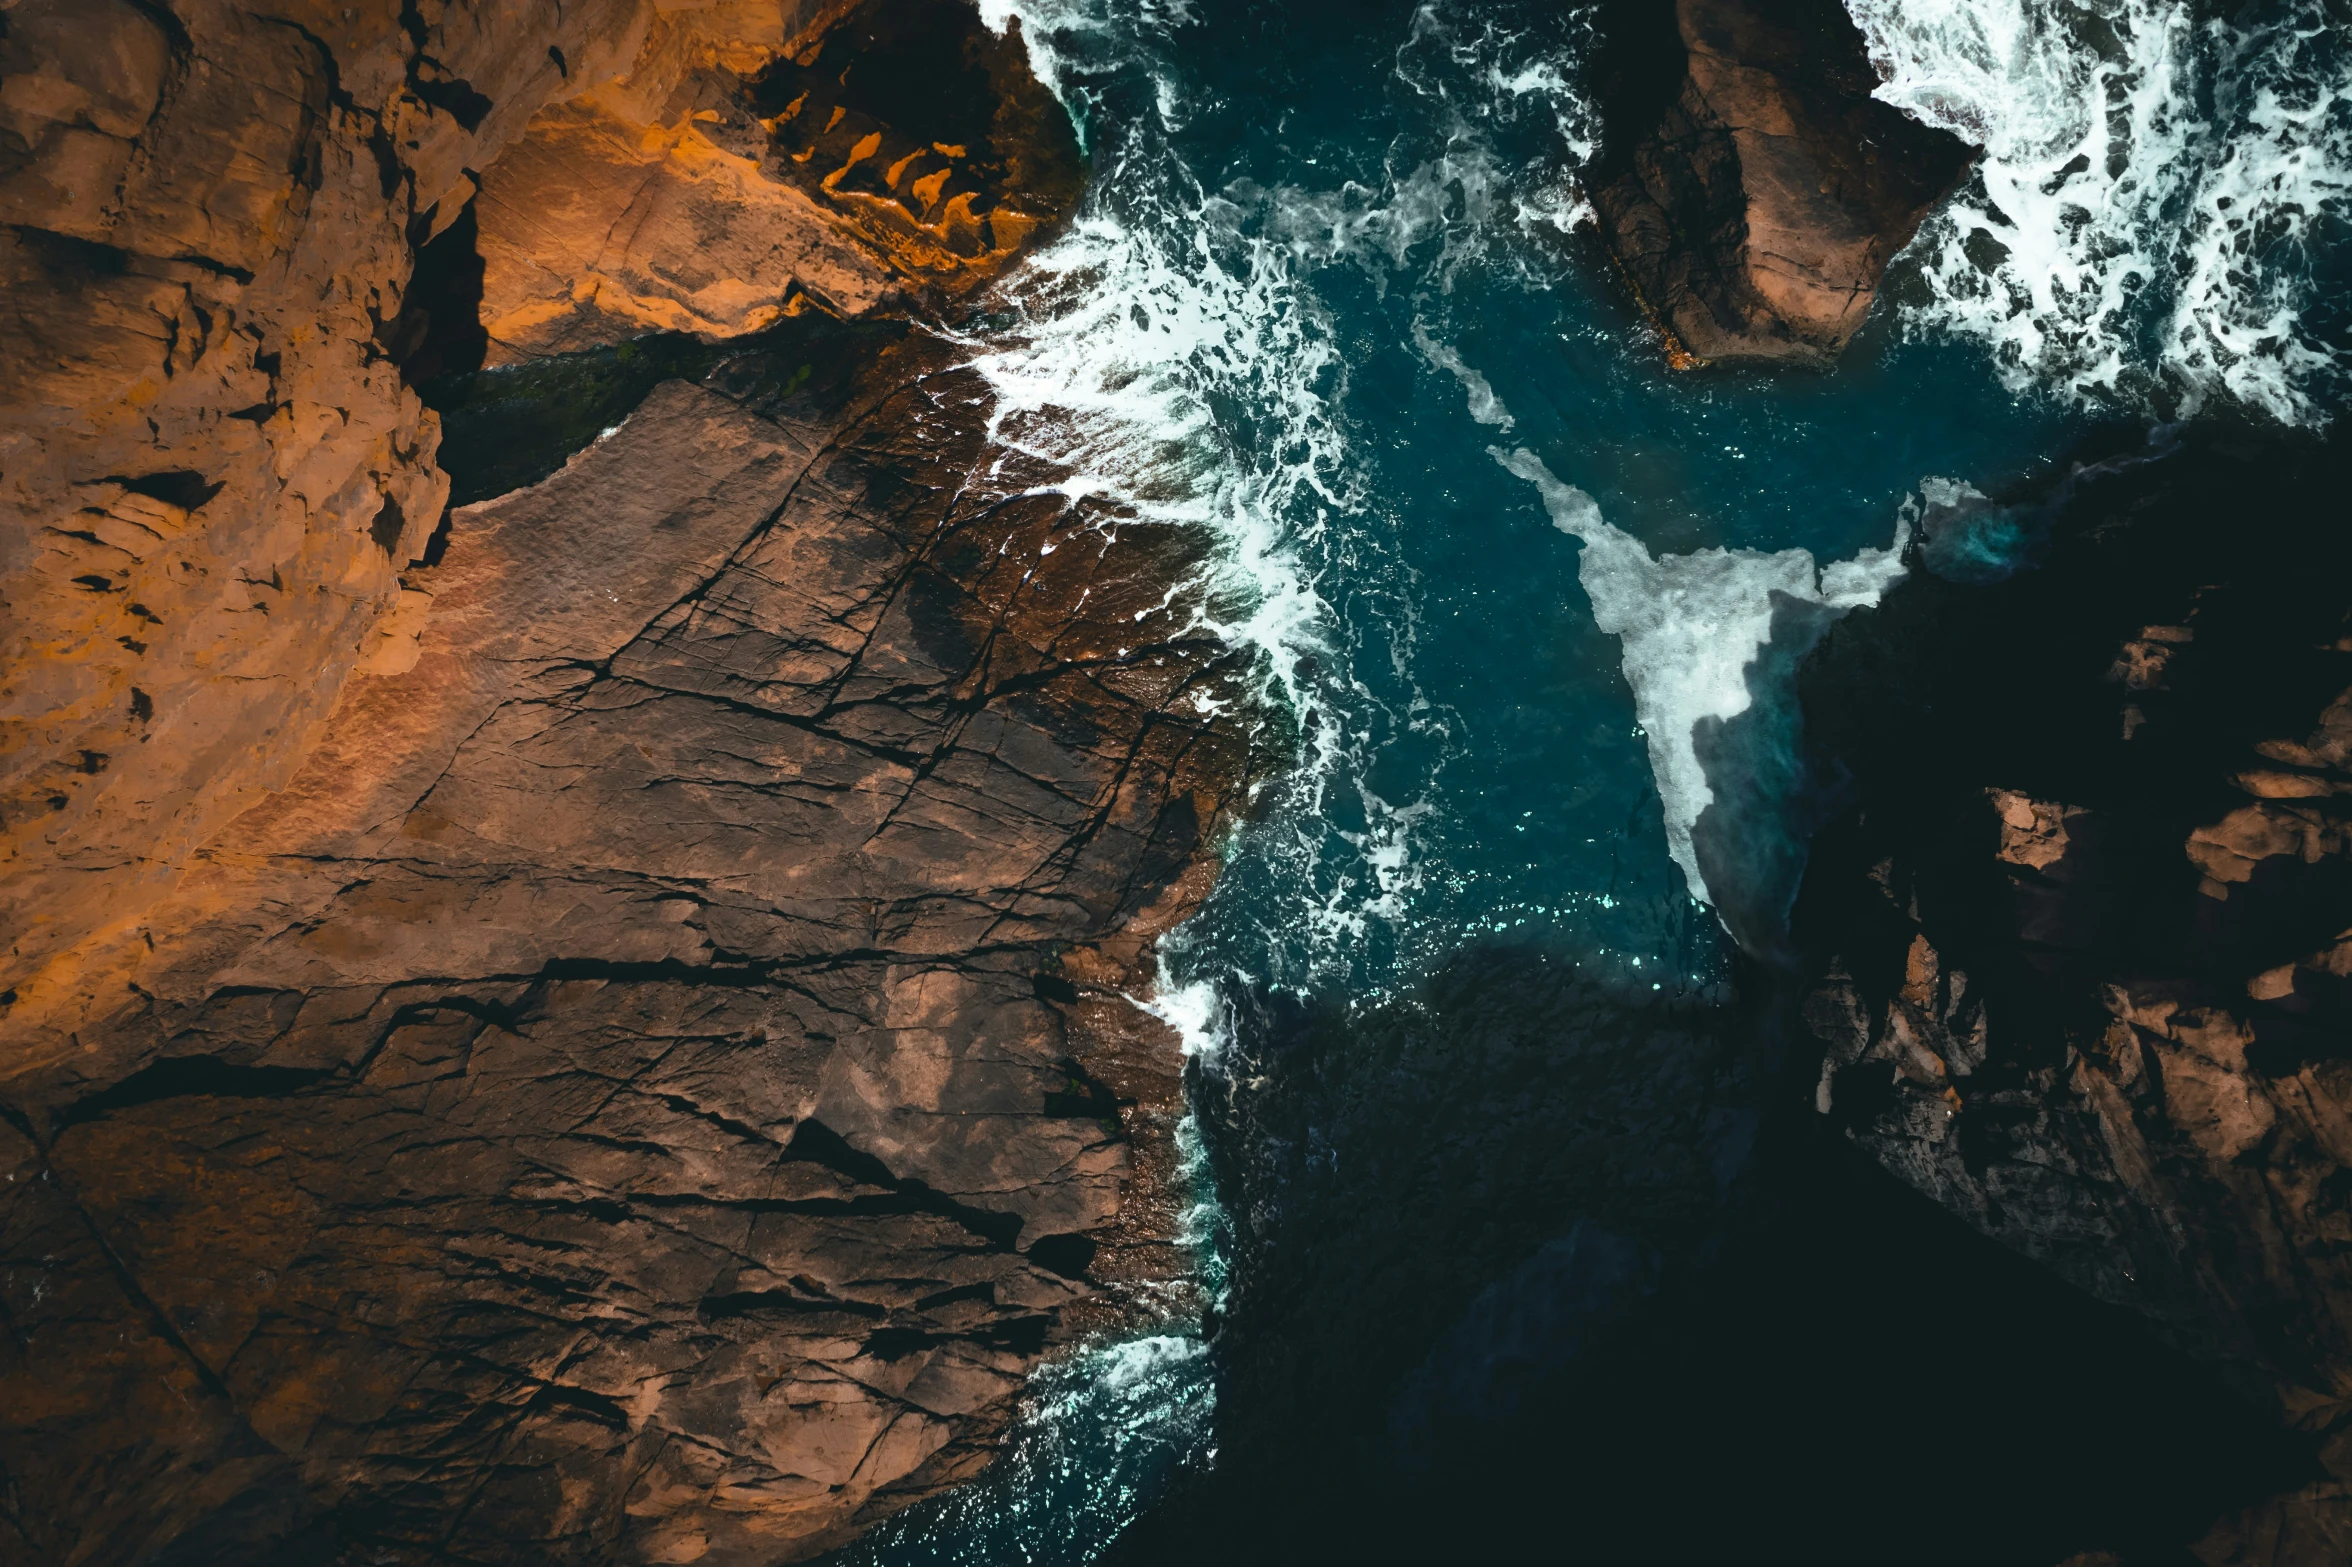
(906, 782)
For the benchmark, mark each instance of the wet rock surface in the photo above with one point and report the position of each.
(1749, 189)
(2078, 945)
(655, 1081)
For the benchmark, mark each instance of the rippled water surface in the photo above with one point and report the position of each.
(1327, 302)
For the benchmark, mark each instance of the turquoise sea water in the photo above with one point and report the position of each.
(1327, 300)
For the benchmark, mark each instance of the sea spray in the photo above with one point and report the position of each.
(1691, 626)
(1099, 1437)
(1215, 346)
(2159, 191)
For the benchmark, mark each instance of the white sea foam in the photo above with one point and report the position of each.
(1102, 1431)
(1690, 626)
(1125, 347)
(1169, 355)
(1485, 406)
(2153, 184)
(1194, 1008)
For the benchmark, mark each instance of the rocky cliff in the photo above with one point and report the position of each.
(1534, 1259)
(1749, 189)
(2082, 941)
(591, 1028)
(210, 214)
(628, 1098)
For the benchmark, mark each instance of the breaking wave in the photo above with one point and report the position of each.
(1172, 354)
(2159, 193)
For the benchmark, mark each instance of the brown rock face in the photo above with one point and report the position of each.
(212, 469)
(2089, 935)
(630, 1097)
(213, 472)
(1753, 205)
(741, 171)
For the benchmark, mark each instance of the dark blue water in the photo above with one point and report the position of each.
(1327, 283)
(1330, 255)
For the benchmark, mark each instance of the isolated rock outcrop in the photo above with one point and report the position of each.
(1753, 197)
(630, 1097)
(210, 213)
(2084, 944)
(740, 171)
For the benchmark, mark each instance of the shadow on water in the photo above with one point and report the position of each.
(1532, 1263)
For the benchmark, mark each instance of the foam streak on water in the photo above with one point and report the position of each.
(2154, 190)
(1172, 355)
(1691, 625)
(1319, 288)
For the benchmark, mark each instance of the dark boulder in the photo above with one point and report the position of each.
(2081, 945)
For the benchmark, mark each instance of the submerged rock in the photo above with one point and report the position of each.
(1750, 190)
(2081, 945)
(656, 1080)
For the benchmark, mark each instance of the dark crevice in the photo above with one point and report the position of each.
(391, 522)
(1082, 1096)
(754, 1303)
(188, 1077)
(454, 97)
(817, 1143)
(1068, 1255)
(181, 487)
(439, 332)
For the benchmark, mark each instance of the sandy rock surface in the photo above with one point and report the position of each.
(213, 467)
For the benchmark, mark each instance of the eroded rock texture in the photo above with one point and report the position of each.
(2087, 936)
(209, 218)
(749, 164)
(212, 468)
(1753, 197)
(631, 1096)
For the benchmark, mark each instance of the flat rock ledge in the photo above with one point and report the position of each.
(656, 1080)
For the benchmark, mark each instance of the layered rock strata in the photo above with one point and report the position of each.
(1753, 197)
(630, 1097)
(210, 213)
(742, 170)
(2085, 941)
